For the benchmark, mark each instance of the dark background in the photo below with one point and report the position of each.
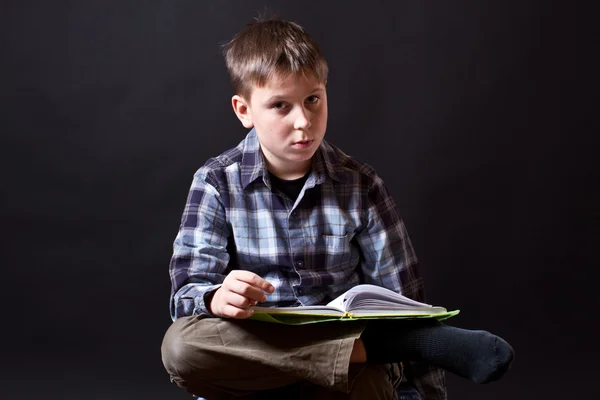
(109, 107)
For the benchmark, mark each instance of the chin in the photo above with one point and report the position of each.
(306, 156)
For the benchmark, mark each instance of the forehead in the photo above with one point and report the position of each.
(287, 85)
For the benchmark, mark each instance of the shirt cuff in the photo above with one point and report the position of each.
(203, 302)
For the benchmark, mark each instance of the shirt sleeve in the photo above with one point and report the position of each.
(200, 258)
(390, 261)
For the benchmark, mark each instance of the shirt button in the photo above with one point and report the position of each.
(299, 263)
(300, 290)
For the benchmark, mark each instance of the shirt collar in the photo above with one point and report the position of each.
(253, 166)
(325, 163)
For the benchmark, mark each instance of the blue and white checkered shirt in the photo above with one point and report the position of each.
(342, 230)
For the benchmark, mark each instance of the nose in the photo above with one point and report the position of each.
(302, 120)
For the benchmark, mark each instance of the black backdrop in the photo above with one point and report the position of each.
(108, 108)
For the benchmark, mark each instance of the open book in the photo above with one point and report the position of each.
(360, 302)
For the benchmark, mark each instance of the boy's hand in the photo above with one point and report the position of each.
(239, 291)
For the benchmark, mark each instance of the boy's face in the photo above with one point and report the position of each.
(290, 118)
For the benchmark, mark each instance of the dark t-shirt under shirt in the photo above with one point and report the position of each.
(291, 188)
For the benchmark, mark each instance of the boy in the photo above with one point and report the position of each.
(287, 219)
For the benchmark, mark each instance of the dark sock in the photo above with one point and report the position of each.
(475, 355)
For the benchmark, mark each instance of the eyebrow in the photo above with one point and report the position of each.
(279, 97)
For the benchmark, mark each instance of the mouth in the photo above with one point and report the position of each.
(303, 144)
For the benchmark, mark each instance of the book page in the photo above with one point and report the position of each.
(371, 297)
(361, 301)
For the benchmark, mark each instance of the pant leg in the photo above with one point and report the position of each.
(219, 358)
(377, 382)
(368, 381)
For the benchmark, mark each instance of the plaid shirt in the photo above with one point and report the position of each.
(342, 230)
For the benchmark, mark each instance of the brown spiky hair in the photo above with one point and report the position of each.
(271, 48)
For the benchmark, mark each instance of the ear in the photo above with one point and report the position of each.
(241, 108)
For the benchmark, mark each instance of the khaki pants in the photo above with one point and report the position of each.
(221, 359)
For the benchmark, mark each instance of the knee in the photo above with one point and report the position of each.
(174, 351)
(176, 360)
(192, 353)
(189, 348)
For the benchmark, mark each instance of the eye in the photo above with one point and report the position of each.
(312, 99)
(279, 106)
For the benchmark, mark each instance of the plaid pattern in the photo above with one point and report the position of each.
(342, 230)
